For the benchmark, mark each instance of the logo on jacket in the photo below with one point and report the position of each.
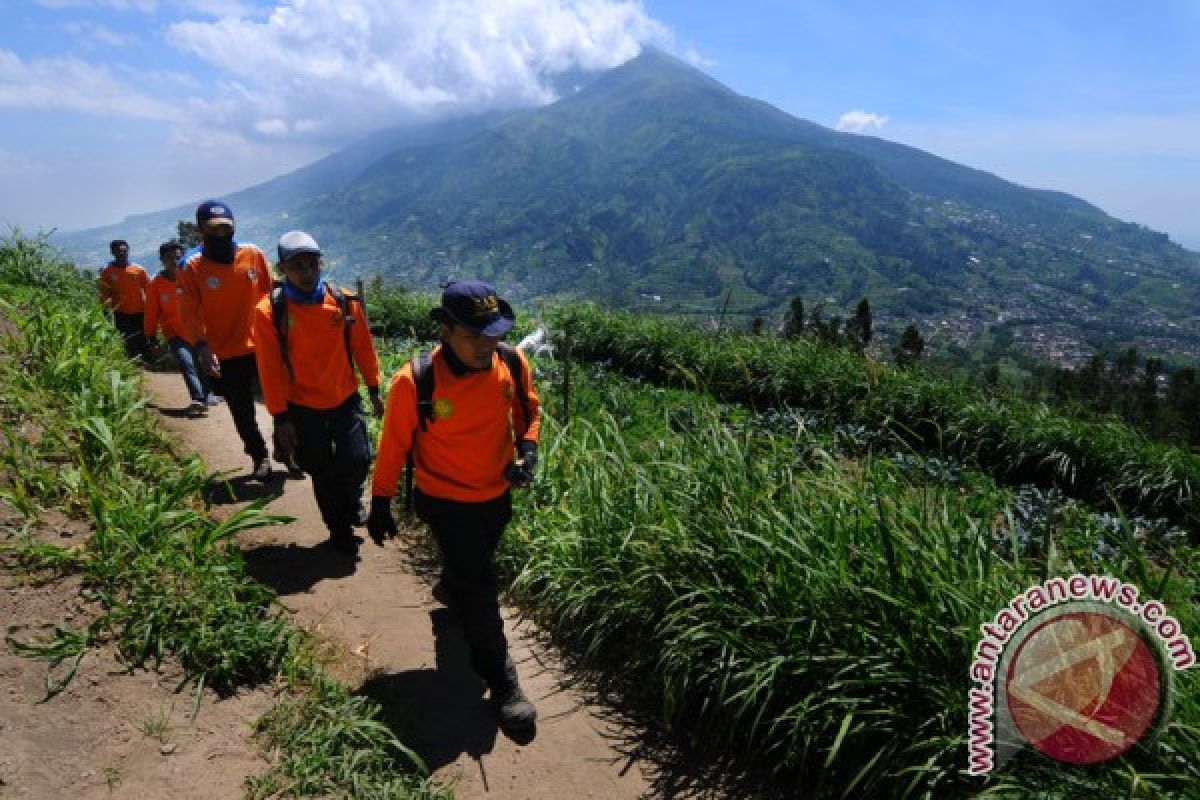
(442, 408)
(251, 275)
(213, 281)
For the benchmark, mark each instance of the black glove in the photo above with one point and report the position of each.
(381, 524)
(520, 473)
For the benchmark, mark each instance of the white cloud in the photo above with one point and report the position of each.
(116, 5)
(19, 165)
(95, 34)
(74, 85)
(858, 121)
(692, 56)
(347, 66)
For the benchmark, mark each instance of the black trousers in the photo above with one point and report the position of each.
(335, 449)
(467, 535)
(131, 329)
(236, 385)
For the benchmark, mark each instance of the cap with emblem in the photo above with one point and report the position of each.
(214, 212)
(475, 305)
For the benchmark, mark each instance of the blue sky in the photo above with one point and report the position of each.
(112, 107)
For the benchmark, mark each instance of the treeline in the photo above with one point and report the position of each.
(1163, 403)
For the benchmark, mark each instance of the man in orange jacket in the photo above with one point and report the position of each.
(123, 289)
(481, 415)
(308, 338)
(222, 284)
(162, 311)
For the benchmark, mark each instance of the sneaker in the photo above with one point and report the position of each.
(212, 400)
(516, 712)
(262, 470)
(197, 408)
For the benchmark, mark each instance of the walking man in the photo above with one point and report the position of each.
(222, 283)
(469, 415)
(162, 311)
(123, 289)
(308, 338)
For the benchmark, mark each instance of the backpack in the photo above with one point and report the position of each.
(279, 315)
(422, 372)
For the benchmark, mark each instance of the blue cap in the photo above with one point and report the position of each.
(475, 305)
(213, 211)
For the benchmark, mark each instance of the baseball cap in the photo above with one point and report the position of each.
(476, 305)
(294, 243)
(213, 211)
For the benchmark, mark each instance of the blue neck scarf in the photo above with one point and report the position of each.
(317, 295)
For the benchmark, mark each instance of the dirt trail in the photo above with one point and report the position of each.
(410, 653)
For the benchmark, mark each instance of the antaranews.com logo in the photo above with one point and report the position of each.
(1078, 668)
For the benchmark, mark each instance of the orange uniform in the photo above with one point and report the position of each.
(123, 288)
(219, 300)
(469, 442)
(162, 307)
(322, 376)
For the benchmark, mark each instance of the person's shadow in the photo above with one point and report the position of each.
(440, 713)
(244, 488)
(292, 568)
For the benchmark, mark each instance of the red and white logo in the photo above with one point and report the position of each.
(1083, 686)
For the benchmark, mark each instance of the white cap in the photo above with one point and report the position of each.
(295, 242)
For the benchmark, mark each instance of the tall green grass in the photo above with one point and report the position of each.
(1099, 460)
(169, 578)
(816, 617)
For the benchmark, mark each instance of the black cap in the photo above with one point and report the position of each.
(475, 305)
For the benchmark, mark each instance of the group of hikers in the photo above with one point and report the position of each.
(464, 417)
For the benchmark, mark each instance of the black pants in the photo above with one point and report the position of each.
(335, 449)
(131, 329)
(236, 385)
(467, 535)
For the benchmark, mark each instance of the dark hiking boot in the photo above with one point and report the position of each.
(262, 470)
(441, 593)
(515, 710)
(344, 543)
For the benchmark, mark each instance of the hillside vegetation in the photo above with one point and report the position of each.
(655, 180)
(807, 592)
(169, 579)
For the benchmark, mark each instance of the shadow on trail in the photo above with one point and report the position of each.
(185, 412)
(440, 713)
(292, 568)
(244, 488)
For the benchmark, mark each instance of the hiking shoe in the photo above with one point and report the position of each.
(262, 470)
(441, 594)
(516, 712)
(344, 543)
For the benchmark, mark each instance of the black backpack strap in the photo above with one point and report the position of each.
(279, 315)
(512, 360)
(343, 300)
(422, 372)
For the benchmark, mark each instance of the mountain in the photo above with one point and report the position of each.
(654, 180)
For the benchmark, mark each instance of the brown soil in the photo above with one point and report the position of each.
(405, 650)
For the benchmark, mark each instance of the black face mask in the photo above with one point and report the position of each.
(220, 249)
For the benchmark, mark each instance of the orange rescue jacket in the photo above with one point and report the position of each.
(123, 288)
(219, 300)
(162, 307)
(321, 374)
(477, 418)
